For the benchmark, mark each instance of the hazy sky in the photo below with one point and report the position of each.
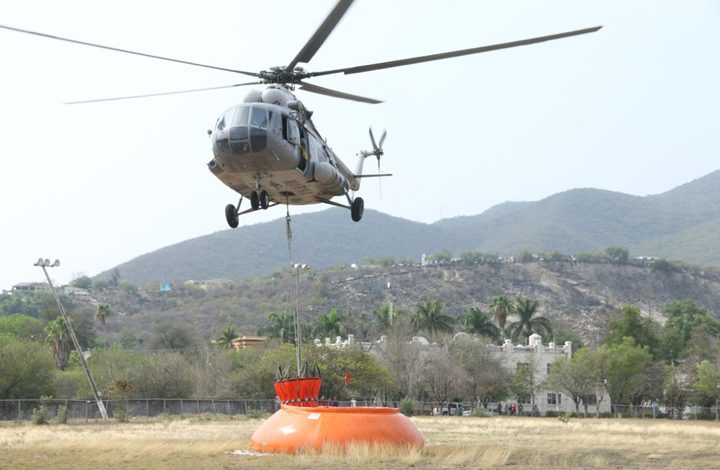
(631, 108)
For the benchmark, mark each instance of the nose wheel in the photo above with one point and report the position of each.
(231, 215)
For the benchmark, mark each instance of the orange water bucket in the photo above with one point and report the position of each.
(293, 429)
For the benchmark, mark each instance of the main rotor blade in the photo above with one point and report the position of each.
(163, 94)
(448, 55)
(125, 51)
(322, 33)
(336, 94)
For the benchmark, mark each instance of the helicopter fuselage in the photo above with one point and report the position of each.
(260, 146)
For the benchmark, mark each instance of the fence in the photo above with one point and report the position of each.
(148, 408)
(22, 409)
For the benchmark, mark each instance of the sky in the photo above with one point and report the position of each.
(632, 108)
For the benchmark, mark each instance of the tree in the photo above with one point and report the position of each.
(631, 324)
(485, 378)
(172, 336)
(382, 317)
(103, 311)
(617, 255)
(439, 375)
(82, 282)
(683, 317)
(707, 384)
(429, 317)
(576, 378)
(528, 323)
(114, 280)
(402, 358)
(26, 370)
(57, 334)
(501, 308)
(228, 335)
(20, 326)
(479, 323)
(329, 325)
(621, 367)
(280, 325)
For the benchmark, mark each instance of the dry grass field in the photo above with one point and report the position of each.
(451, 442)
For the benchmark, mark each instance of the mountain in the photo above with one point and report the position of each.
(681, 224)
(577, 296)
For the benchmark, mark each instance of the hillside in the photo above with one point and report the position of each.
(679, 224)
(580, 296)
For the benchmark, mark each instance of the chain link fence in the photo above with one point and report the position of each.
(159, 408)
(22, 410)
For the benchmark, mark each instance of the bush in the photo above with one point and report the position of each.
(41, 414)
(479, 412)
(407, 406)
(62, 415)
(255, 414)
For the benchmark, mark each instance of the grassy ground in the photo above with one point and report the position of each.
(451, 442)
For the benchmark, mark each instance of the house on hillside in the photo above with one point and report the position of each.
(31, 287)
(246, 342)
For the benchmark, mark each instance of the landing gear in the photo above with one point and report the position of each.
(259, 200)
(264, 199)
(356, 209)
(231, 215)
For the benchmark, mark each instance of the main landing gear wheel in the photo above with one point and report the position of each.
(264, 199)
(231, 215)
(356, 209)
(254, 201)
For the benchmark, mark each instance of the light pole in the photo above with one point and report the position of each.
(44, 264)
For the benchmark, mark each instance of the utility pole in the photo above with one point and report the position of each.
(45, 264)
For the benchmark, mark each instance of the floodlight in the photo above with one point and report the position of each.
(56, 264)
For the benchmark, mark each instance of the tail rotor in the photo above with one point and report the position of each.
(378, 152)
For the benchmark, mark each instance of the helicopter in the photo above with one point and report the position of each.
(268, 149)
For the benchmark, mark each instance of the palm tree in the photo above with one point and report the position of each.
(329, 325)
(429, 317)
(528, 323)
(382, 317)
(102, 313)
(228, 335)
(282, 326)
(501, 308)
(57, 334)
(479, 323)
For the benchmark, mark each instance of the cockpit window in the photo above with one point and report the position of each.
(241, 117)
(258, 118)
(225, 120)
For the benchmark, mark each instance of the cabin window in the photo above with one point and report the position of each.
(553, 399)
(258, 118)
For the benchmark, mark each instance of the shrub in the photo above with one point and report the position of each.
(41, 414)
(255, 414)
(407, 406)
(62, 415)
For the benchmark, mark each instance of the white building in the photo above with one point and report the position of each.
(538, 357)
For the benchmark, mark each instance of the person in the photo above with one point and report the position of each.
(520, 409)
(353, 402)
(535, 411)
(499, 408)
